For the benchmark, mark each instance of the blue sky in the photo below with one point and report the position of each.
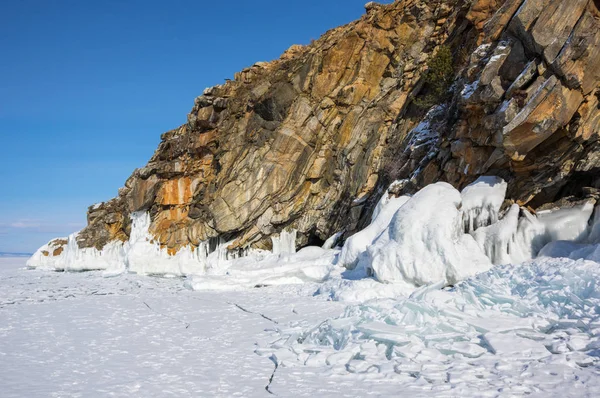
(87, 87)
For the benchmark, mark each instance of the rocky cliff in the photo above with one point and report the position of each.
(310, 141)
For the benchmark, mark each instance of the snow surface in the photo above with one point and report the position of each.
(87, 335)
(531, 329)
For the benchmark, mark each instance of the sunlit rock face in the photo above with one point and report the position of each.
(309, 142)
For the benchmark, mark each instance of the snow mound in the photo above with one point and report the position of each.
(425, 242)
(358, 243)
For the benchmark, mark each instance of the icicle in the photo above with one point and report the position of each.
(285, 243)
(481, 202)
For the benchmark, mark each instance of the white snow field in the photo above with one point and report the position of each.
(444, 294)
(530, 329)
(85, 335)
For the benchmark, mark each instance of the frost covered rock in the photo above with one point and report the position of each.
(425, 242)
(358, 243)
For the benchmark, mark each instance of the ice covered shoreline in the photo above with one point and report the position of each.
(437, 235)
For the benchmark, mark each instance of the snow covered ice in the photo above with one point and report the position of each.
(511, 331)
(425, 242)
(88, 335)
(445, 293)
(359, 242)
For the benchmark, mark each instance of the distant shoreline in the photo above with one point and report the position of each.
(8, 254)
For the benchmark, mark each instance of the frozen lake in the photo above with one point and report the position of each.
(530, 330)
(80, 334)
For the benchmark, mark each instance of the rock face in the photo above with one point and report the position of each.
(310, 141)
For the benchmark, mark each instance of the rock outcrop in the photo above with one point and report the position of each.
(311, 140)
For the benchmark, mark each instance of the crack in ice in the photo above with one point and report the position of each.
(268, 386)
(187, 325)
(252, 312)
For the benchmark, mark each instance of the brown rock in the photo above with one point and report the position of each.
(552, 108)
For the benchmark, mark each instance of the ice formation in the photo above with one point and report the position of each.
(583, 245)
(443, 234)
(439, 235)
(499, 241)
(140, 254)
(311, 264)
(358, 243)
(514, 240)
(72, 258)
(425, 242)
(285, 243)
(515, 329)
(219, 267)
(331, 242)
(481, 202)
